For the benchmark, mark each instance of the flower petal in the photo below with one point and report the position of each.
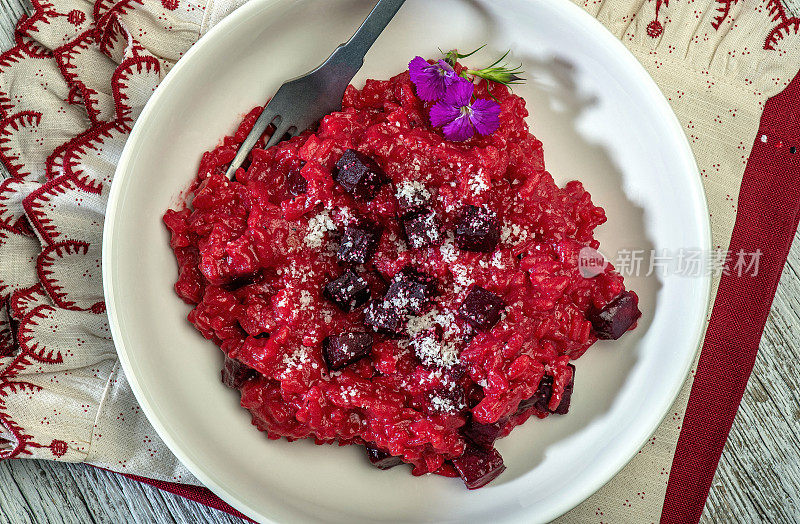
(447, 67)
(418, 68)
(431, 80)
(459, 93)
(485, 116)
(459, 129)
(442, 114)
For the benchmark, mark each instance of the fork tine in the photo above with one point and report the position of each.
(263, 121)
(310, 97)
(280, 132)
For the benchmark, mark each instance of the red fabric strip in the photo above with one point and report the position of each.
(767, 218)
(195, 493)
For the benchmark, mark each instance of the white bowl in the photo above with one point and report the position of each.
(602, 120)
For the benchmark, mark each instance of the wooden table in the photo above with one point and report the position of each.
(758, 477)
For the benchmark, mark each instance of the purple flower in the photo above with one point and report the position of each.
(431, 80)
(461, 117)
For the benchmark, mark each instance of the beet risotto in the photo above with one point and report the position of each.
(377, 283)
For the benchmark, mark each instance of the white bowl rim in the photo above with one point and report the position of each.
(558, 508)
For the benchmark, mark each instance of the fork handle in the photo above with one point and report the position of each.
(353, 51)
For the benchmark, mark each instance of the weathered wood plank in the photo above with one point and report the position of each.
(44, 492)
(10, 11)
(759, 473)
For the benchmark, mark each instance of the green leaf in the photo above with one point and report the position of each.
(452, 56)
(498, 71)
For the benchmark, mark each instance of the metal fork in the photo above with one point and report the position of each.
(303, 101)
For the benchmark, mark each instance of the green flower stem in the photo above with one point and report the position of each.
(497, 72)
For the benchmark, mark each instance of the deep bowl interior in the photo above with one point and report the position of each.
(602, 121)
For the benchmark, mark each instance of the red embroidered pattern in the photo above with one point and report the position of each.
(42, 11)
(12, 216)
(64, 56)
(723, 9)
(47, 258)
(25, 309)
(28, 352)
(786, 24)
(76, 17)
(39, 204)
(8, 342)
(655, 28)
(14, 123)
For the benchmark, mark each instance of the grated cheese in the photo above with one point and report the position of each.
(478, 183)
(513, 234)
(413, 192)
(305, 298)
(496, 262)
(445, 405)
(432, 352)
(461, 274)
(299, 358)
(448, 249)
(317, 227)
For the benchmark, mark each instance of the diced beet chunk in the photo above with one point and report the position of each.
(410, 291)
(241, 281)
(412, 197)
(295, 183)
(422, 229)
(341, 350)
(482, 308)
(381, 459)
(359, 175)
(474, 395)
(477, 230)
(348, 292)
(454, 372)
(616, 317)
(235, 374)
(477, 466)
(448, 399)
(359, 242)
(541, 399)
(483, 435)
(566, 396)
(384, 318)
